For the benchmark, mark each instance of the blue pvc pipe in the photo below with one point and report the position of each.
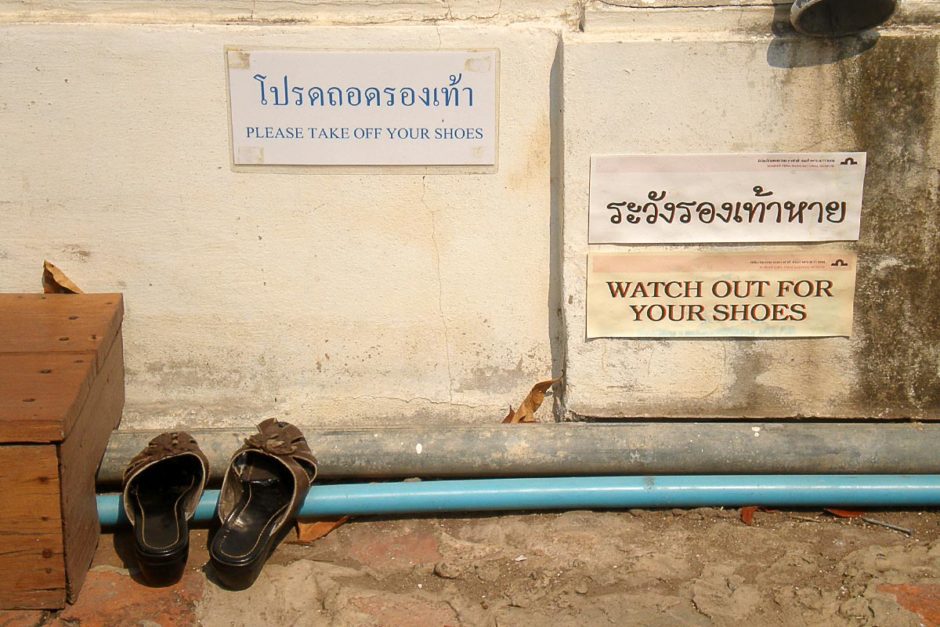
(559, 493)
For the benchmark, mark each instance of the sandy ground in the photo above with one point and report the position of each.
(679, 567)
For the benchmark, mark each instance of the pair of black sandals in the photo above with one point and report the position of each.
(264, 486)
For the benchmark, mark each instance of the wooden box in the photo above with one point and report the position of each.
(61, 395)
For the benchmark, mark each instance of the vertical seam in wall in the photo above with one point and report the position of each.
(557, 323)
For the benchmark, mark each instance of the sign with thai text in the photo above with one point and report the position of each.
(785, 292)
(673, 199)
(294, 107)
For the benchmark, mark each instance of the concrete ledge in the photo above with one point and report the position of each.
(584, 449)
(347, 12)
(695, 18)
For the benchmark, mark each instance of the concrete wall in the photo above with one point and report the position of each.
(372, 297)
(742, 82)
(327, 298)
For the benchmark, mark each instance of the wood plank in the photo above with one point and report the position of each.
(32, 566)
(79, 456)
(77, 323)
(41, 394)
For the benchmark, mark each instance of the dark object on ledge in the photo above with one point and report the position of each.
(837, 18)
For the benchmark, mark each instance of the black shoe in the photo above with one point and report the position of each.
(264, 487)
(162, 486)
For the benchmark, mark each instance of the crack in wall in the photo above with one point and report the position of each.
(440, 286)
(417, 399)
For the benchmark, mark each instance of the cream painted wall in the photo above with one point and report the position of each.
(325, 298)
(375, 298)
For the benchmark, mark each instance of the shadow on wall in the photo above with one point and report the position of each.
(789, 49)
(556, 326)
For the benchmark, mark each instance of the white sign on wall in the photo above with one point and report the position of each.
(294, 107)
(673, 199)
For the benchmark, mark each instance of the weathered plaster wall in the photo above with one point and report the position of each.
(736, 87)
(324, 297)
(365, 297)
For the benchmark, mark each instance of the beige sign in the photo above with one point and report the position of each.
(788, 292)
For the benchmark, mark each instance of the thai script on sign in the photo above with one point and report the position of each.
(750, 197)
(656, 209)
(283, 92)
(364, 107)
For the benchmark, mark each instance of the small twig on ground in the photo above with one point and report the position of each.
(881, 523)
(804, 518)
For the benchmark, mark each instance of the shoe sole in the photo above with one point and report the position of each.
(162, 570)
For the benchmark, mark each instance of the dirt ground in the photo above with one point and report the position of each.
(676, 567)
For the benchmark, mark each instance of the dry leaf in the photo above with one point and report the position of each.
(747, 514)
(531, 404)
(54, 281)
(508, 417)
(310, 531)
(844, 513)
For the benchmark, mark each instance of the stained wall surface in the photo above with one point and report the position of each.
(380, 296)
(744, 83)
